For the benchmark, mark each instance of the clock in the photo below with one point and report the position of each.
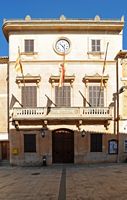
(62, 46)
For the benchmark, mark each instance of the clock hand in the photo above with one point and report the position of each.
(63, 46)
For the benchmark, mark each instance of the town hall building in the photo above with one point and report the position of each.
(62, 84)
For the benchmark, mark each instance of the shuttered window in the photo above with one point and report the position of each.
(29, 46)
(29, 96)
(63, 96)
(29, 143)
(96, 143)
(96, 45)
(96, 97)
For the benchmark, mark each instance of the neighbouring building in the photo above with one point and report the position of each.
(4, 141)
(123, 62)
(61, 79)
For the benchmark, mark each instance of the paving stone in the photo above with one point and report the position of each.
(69, 182)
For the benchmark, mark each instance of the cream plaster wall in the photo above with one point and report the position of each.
(80, 44)
(45, 62)
(3, 98)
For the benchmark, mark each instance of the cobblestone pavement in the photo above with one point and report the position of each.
(60, 182)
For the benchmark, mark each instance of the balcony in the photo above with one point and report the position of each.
(62, 113)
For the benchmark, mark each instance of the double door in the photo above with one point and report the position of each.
(63, 146)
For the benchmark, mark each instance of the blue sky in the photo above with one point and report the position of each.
(18, 9)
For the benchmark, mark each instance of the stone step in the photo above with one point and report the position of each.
(4, 163)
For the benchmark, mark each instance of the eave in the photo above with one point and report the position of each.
(61, 25)
(121, 54)
(4, 59)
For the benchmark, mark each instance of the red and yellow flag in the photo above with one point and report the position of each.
(62, 75)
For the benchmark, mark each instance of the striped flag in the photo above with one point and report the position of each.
(18, 64)
(62, 75)
(103, 70)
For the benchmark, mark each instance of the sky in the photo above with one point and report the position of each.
(82, 9)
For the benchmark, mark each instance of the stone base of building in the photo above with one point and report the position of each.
(30, 148)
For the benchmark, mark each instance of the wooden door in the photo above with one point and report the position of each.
(63, 146)
(5, 150)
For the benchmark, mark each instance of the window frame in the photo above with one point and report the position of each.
(125, 146)
(95, 46)
(65, 102)
(94, 96)
(95, 146)
(30, 148)
(26, 101)
(113, 146)
(29, 48)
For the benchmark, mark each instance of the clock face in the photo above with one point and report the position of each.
(62, 46)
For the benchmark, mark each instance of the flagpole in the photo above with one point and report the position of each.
(85, 99)
(103, 73)
(19, 67)
(64, 72)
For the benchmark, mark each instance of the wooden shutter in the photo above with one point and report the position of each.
(29, 143)
(94, 95)
(96, 143)
(29, 96)
(29, 45)
(63, 96)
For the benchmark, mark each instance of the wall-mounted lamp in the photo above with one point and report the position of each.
(83, 133)
(16, 124)
(42, 133)
(122, 89)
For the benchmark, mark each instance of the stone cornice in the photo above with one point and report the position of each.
(4, 60)
(61, 24)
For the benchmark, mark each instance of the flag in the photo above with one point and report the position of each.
(103, 70)
(49, 103)
(84, 99)
(62, 75)
(13, 101)
(18, 64)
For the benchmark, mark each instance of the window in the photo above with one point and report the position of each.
(29, 96)
(29, 46)
(96, 96)
(96, 143)
(29, 143)
(63, 96)
(113, 146)
(125, 146)
(96, 46)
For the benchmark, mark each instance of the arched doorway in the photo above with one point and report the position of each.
(63, 146)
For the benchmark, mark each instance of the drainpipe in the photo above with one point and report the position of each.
(8, 100)
(117, 107)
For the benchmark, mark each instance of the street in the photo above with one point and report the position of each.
(60, 182)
